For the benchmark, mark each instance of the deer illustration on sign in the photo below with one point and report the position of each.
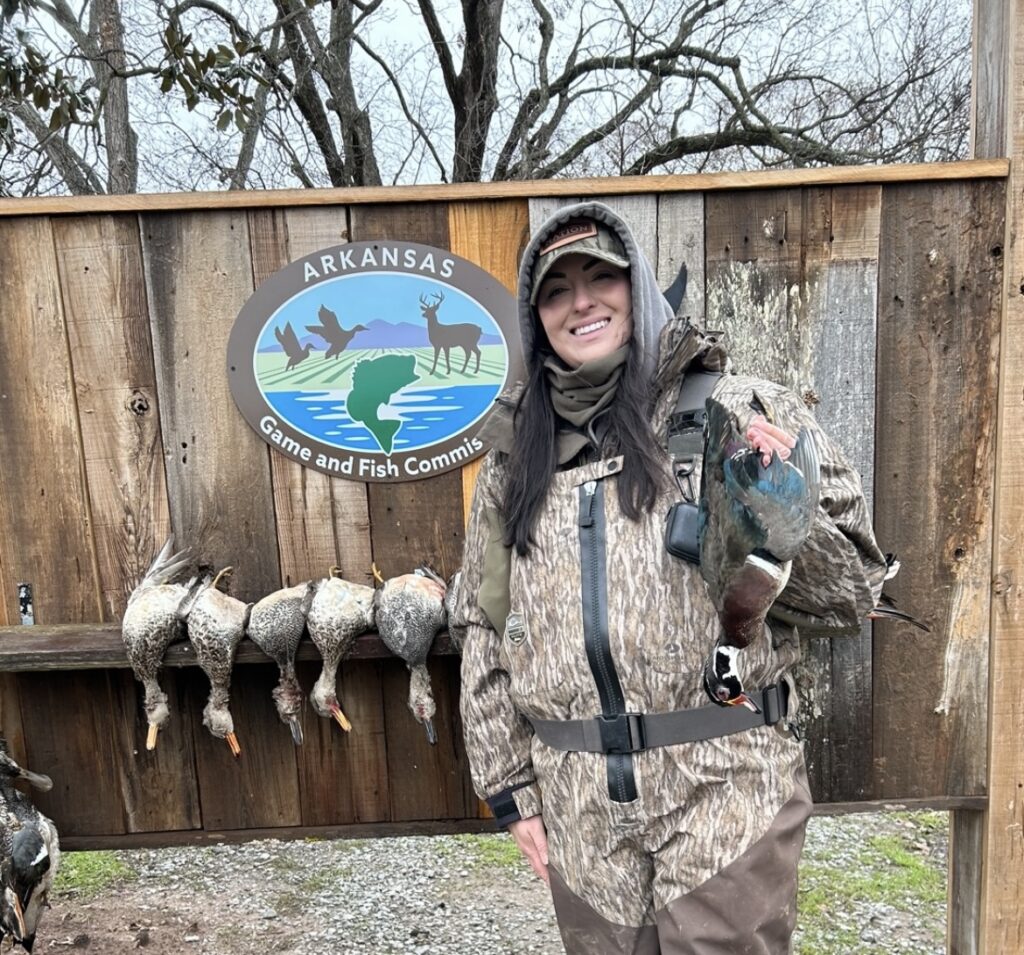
(445, 337)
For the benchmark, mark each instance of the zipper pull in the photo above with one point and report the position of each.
(587, 492)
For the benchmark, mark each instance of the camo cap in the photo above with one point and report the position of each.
(578, 236)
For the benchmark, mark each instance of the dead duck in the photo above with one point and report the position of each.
(29, 854)
(276, 625)
(150, 624)
(339, 612)
(216, 624)
(409, 613)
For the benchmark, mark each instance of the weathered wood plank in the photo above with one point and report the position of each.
(158, 789)
(44, 509)
(939, 289)
(681, 242)
(99, 646)
(321, 521)
(493, 235)
(413, 523)
(543, 207)
(777, 264)
(343, 777)
(198, 275)
(260, 788)
(459, 192)
(69, 737)
(100, 268)
(11, 728)
(966, 875)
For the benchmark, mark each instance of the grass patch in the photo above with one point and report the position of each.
(491, 851)
(889, 869)
(88, 873)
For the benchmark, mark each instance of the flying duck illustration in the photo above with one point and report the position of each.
(753, 520)
(290, 343)
(331, 332)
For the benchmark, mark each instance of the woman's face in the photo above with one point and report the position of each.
(586, 308)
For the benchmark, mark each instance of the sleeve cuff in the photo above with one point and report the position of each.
(515, 803)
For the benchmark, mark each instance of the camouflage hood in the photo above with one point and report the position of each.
(650, 310)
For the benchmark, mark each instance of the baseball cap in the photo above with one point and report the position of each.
(578, 236)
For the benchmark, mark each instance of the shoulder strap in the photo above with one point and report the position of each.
(686, 423)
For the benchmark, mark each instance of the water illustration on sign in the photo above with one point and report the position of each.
(385, 361)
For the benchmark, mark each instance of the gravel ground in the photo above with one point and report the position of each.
(871, 883)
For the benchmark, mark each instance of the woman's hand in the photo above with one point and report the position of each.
(532, 840)
(769, 439)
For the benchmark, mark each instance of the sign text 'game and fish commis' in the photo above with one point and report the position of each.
(375, 361)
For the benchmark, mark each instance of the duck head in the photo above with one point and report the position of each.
(421, 701)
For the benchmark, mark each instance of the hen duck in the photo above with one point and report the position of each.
(216, 625)
(339, 612)
(409, 613)
(150, 624)
(276, 625)
(29, 854)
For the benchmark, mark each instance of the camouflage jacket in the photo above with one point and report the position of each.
(531, 660)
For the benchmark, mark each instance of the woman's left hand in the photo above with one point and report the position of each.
(769, 439)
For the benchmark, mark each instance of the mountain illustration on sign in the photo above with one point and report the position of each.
(374, 382)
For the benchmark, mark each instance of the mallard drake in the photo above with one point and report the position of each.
(216, 625)
(754, 517)
(339, 612)
(409, 613)
(29, 854)
(276, 625)
(151, 623)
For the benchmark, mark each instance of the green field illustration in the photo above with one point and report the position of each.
(316, 373)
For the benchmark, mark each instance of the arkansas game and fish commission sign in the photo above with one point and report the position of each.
(375, 361)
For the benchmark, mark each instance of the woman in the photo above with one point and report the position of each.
(575, 611)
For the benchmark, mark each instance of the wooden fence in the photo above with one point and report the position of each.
(874, 292)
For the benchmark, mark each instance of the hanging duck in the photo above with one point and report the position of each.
(29, 854)
(409, 613)
(216, 624)
(276, 625)
(150, 624)
(339, 612)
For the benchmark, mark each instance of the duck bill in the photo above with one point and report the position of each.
(428, 725)
(296, 727)
(744, 700)
(37, 780)
(19, 914)
(151, 736)
(341, 718)
(232, 742)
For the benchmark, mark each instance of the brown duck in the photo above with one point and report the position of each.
(409, 613)
(276, 625)
(216, 624)
(339, 612)
(151, 623)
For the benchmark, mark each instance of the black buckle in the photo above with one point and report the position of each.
(772, 703)
(623, 733)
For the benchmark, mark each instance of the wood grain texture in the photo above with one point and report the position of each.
(343, 777)
(11, 728)
(321, 521)
(260, 788)
(520, 189)
(966, 876)
(939, 301)
(492, 235)
(101, 280)
(681, 242)
(1001, 920)
(45, 536)
(791, 279)
(198, 275)
(69, 737)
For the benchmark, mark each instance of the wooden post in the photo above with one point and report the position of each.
(998, 856)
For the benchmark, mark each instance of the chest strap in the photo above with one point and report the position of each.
(634, 732)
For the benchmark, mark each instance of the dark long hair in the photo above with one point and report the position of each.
(532, 460)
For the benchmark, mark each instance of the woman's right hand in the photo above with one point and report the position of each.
(531, 838)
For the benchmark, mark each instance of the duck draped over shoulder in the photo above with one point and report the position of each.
(641, 841)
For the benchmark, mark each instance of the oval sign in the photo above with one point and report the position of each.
(375, 361)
